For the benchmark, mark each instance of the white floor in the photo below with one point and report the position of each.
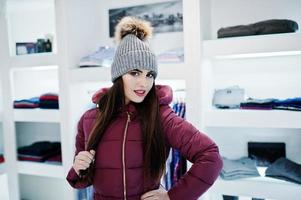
(3, 188)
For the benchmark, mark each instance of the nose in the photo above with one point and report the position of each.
(142, 81)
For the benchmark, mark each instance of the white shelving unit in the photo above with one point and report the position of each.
(249, 118)
(32, 60)
(207, 63)
(259, 187)
(251, 46)
(41, 169)
(37, 115)
(259, 64)
(2, 168)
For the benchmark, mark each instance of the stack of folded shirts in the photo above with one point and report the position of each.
(49, 101)
(39, 151)
(1, 158)
(288, 104)
(285, 169)
(240, 168)
(258, 104)
(27, 103)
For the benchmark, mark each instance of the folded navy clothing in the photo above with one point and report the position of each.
(40, 149)
(271, 26)
(285, 169)
(49, 104)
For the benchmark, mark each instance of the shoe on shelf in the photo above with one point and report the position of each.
(103, 57)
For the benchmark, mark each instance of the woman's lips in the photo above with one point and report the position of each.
(140, 93)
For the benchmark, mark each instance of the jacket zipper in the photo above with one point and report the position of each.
(123, 155)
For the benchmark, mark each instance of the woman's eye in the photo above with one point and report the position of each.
(134, 73)
(150, 75)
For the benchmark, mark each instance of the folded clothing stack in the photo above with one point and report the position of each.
(49, 101)
(285, 169)
(27, 103)
(240, 168)
(1, 158)
(271, 26)
(39, 151)
(103, 57)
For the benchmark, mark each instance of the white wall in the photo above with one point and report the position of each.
(91, 21)
(34, 82)
(30, 20)
(30, 132)
(37, 188)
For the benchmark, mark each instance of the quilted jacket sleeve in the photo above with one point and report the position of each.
(198, 149)
(72, 177)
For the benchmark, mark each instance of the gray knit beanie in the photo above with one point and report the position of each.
(133, 51)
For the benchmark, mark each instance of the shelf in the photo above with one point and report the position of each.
(36, 115)
(90, 74)
(94, 74)
(34, 60)
(2, 168)
(40, 169)
(253, 118)
(260, 187)
(253, 46)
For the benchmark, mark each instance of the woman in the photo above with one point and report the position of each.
(122, 146)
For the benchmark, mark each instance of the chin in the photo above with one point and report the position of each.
(137, 100)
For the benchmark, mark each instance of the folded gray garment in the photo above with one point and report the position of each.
(285, 169)
(240, 168)
(238, 175)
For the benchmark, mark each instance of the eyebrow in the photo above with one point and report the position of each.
(137, 70)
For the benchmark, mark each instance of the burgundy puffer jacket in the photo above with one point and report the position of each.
(119, 156)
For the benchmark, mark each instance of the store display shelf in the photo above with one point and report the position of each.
(253, 46)
(170, 71)
(260, 187)
(2, 168)
(40, 169)
(90, 74)
(98, 74)
(253, 118)
(36, 115)
(34, 60)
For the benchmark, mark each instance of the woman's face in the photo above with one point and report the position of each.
(137, 83)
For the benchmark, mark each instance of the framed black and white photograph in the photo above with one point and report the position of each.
(164, 17)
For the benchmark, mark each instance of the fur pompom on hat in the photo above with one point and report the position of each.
(133, 51)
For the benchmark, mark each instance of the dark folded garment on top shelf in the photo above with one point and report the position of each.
(27, 103)
(271, 26)
(39, 151)
(285, 169)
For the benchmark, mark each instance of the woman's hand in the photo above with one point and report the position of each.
(159, 194)
(83, 160)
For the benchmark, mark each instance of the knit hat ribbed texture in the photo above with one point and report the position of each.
(133, 53)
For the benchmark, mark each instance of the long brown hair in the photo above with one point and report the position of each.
(154, 149)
